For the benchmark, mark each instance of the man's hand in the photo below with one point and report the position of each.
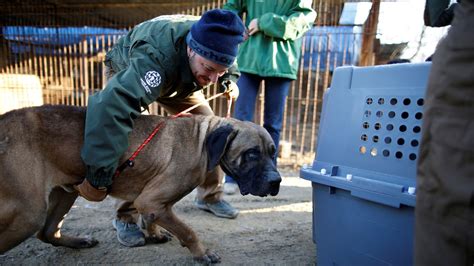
(253, 26)
(89, 192)
(231, 89)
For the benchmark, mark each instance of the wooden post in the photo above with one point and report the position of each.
(367, 56)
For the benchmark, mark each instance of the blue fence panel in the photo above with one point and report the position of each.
(26, 39)
(331, 47)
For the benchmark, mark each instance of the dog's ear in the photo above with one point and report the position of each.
(216, 143)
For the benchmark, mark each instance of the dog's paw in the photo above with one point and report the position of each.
(163, 237)
(77, 242)
(71, 242)
(209, 257)
(87, 242)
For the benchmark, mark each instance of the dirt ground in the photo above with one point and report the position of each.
(268, 231)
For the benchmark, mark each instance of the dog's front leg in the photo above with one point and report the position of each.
(156, 234)
(164, 217)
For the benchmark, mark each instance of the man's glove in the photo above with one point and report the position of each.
(89, 192)
(230, 88)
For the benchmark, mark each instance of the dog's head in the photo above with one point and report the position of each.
(245, 151)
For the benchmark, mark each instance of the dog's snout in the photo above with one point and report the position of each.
(274, 180)
(273, 177)
(274, 188)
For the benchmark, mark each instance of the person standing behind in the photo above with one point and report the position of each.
(271, 55)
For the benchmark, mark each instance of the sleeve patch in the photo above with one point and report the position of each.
(152, 79)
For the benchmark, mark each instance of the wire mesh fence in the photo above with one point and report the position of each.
(53, 54)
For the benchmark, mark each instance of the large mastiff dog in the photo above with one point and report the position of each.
(40, 159)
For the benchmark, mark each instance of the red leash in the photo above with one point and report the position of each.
(130, 162)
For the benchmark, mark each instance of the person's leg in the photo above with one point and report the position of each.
(209, 194)
(444, 232)
(125, 222)
(276, 91)
(244, 110)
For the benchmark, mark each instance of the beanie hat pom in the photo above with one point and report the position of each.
(216, 36)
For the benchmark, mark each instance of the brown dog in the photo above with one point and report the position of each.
(40, 159)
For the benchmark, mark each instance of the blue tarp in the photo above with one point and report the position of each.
(341, 43)
(332, 46)
(51, 40)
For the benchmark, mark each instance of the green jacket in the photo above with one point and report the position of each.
(150, 62)
(275, 50)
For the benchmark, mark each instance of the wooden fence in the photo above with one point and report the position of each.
(70, 73)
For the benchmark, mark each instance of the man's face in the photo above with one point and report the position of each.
(205, 71)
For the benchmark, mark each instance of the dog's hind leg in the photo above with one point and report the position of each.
(16, 223)
(60, 202)
(10, 237)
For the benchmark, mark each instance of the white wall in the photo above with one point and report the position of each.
(17, 91)
(402, 21)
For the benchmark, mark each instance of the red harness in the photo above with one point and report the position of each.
(130, 162)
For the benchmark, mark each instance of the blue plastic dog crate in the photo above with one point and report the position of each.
(363, 175)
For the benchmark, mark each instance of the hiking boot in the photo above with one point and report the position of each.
(230, 188)
(220, 209)
(129, 234)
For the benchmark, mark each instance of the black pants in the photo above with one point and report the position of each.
(444, 225)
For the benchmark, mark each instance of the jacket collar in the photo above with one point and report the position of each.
(187, 76)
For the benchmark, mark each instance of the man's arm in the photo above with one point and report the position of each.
(111, 112)
(236, 6)
(290, 26)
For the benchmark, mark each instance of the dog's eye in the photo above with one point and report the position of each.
(251, 155)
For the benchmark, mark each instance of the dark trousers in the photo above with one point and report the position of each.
(444, 213)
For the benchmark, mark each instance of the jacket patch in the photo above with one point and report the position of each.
(153, 78)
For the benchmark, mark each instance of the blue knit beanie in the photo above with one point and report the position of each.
(216, 36)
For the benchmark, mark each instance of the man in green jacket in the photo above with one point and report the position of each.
(271, 54)
(168, 59)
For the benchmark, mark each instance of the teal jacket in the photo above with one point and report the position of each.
(150, 62)
(275, 50)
